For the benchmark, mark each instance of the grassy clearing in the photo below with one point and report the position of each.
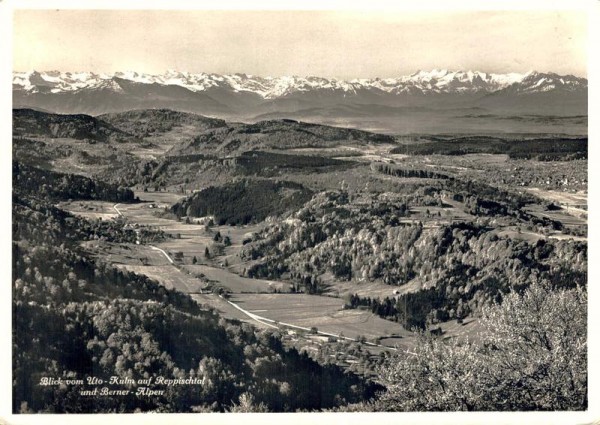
(127, 254)
(324, 313)
(235, 283)
(372, 289)
(167, 198)
(225, 309)
(91, 210)
(560, 215)
(520, 235)
(169, 276)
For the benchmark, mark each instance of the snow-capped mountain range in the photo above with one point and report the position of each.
(437, 81)
(438, 100)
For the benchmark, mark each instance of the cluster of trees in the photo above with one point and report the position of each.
(511, 200)
(327, 216)
(75, 317)
(56, 186)
(244, 201)
(393, 170)
(270, 163)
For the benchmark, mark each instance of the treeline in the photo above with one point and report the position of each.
(295, 134)
(244, 201)
(74, 317)
(543, 149)
(396, 171)
(270, 163)
(484, 199)
(33, 181)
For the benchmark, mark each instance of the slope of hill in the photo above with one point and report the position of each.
(37, 182)
(276, 134)
(148, 122)
(28, 122)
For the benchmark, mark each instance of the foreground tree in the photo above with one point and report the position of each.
(537, 349)
(532, 355)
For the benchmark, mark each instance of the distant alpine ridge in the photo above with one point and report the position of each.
(437, 81)
(423, 101)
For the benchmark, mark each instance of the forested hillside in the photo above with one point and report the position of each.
(244, 201)
(459, 267)
(544, 149)
(60, 186)
(74, 318)
(276, 134)
(80, 126)
(150, 122)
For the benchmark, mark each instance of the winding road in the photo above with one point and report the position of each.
(117, 210)
(164, 253)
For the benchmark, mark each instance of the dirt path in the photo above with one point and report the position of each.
(164, 253)
(117, 210)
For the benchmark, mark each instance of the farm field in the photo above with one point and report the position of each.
(169, 276)
(127, 254)
(92, 210)
(560, 215)
(324, 313)
(234, 283)
(226, 310)
(365, 288)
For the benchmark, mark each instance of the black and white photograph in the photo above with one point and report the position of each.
(265, 209)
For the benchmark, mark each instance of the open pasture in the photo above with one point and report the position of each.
(559, 215)
(127, 254)
(235, 283)
(91, 210)
(169, 276)
(562, 198)
(325, 313)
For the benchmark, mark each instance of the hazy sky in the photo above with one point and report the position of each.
(329, 44)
